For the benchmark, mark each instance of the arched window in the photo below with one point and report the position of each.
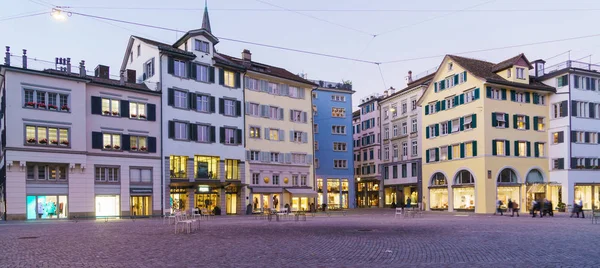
(464, 177)
(438, 179)
(507, 175)
(535, 176)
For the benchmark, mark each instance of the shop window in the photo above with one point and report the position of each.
(108, 205)
(232, 169)
(178, 166)
(507, 175)
(47, 207)
(438, 179)
(206, 167)
(46, 136)
(107, 174)
(464, 177)
(143, 175)
(44, 172)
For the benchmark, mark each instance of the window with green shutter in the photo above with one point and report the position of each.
(435, 87)
(427, 156)
(503, 90)
(513, 95)
(494, 120)
(474, 148)
(462, 150)
(535, 123)
(474, 121)
(450, 152)
(465, 76)
(462, 124)
(488, 92)
(449, 126)
(517, 148)
(528, 149)
(426, 109)
(455, 79)
(527, 122)
(506, 148)
(494, 149)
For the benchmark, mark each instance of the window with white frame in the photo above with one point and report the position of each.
(138, 143)
(230, 107)
(540, 148)
(255, 178)
(385, 113)
(181, 131)
(341, 98)
(203, 133)
(404, 149)
(338, 129)
(520, 73)
(202, 73)
(468, 122)
(386, 133)
(455, 125)
(508, 73)
(395, 151)
(339, 146)
(556, 110)
(444, 128)
(111, 141)
(522, 147)
(149, 68)
(340, 163)
(180, 97)
(338, 112)
(455, 151)
(254, 156)
(137, 110)
(404, 128)
(414, 149)
(303, 180)
(276, 179)
(443, 153)
(404, 107)
(500, 146)
(432, 155)
(229, 78)
(413, 104)
(582, 109)
(296, 136)
(432, 131)
(46, 100)
(202, 46)
(541, 99)
(50, 136)
(107, 174)
(386, 153)
(520, 97)
(274, 157)
(179, 68)
(469, 96)
(110, 107)
(580, 137)
(520, 122)
(274, 134)
(496, 94)
(468, 149)
(450, 102)
(203, 103)
(414, 125)
(395, 131)
(594, 137)
(254, 132)
(140, 175)
(431, 107)
(540, 124)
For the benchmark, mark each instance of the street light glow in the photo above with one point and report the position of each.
(59, 15)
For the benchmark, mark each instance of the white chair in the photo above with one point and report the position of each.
(398, 212)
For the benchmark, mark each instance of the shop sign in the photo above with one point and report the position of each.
(140, 190)
(203, 189)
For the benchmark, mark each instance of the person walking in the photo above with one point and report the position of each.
(580, 205)
(575, 209)
(499, 207)
(509, 206)
(515, 208)
(534, 207)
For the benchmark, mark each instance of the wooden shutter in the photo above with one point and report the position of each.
(586, 136)
(561, 163)
(462, 98)
(574, 108)
(213, 134)
(573, 162)
(494, 120)
(435, 87)
(221, 76)
(152, 144)
(515, 120)
(536, 151)
(449, 152)
(564, 107)
(292, 135)
(97, 140)
(437, 130)
(221, 106)
(239, 138)
(426, 109)
(527, 97)
(193, 130)
(304, 137)
(506, 121)
(488, 92)
(171, 97)
(151, 116)
(427, 156)
(474, 148)
(238, 108)
(192, 104)
(535, 123)
(455, 79)
(536, 98)
(170, 65)
(494, 149)
(527, 122)
(212, 104)
(211, 74)
(304, 117)
(503, 91)
(462, 150)
(125, 142)
(171, 129)
(516, 148)
(465, 76)
(506, 148)
(462, 123)
(96, 105)
(237, 80)
(513, 95)
(427, 132)
(124, 108)
(528, 149)
(247, 107)
(561, 137)
(592, 111)
(476, 94)
(474, 121)
(449, 126)
(281, 135)
(267, 136)
(193, 71)
(573, 136)
(222, 135)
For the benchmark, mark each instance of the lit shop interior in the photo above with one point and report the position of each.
(393, 194)
(206, 198)
(336, 191)
(438, 192)
(367, 193)
(463, 191)
(108, 205)
(589, 195)
(46, 207)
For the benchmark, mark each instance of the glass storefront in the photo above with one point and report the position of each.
(367, 194)
(207, 201)
(178, 200)
(141, 205)
(584, 192)
(509, 192)
(390, 195)
(319, 192)
(438, 198)
(333, 192)
(464, 198)
(108, 205)
(300, 203)
(412, 194)
(344, 194)
(46, 207)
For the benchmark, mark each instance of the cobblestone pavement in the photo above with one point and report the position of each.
(363, 238)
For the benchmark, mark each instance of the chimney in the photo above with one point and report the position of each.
(101, 71)
(82, 71)
(410, 77)
(392, 90)
(68, 66)
(24, 58)
(385, 93)
(246, 55)
(122, 77)
(538, 66)
(130, 76)
(7, 58)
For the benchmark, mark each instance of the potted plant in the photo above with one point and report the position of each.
(117, 147)
(44, 141)
(52, 107)
(30, 104)
(65, 143)
(561, 207)
(31, 140)
(134, 115)
(143, 148)
(64, 108)
(115, 113)
(133, 148)
(41, 105)
(143, 116)
(106, 112)
(55, 142)
(108, 146)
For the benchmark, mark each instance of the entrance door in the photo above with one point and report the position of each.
(141, 206)
(231, 207)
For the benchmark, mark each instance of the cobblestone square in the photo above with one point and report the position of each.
(363, 238)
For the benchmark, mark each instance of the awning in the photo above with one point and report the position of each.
(273, 190)
(301, 192)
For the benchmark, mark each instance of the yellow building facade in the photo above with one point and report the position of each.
(485, 139)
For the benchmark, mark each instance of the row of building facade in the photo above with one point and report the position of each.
(184, 127)
(475, 132)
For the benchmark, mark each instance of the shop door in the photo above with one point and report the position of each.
(141, 206)
(231, 207)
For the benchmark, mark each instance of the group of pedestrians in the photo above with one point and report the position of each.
(577, 208)
(541, 207)
(544, 208)
(512, 207)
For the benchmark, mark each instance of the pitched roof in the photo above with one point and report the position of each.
(510, 62)
(356, 113)
(267, 69)
(484, 70)
(166, 47)
(421, 81)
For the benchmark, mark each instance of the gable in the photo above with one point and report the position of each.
(447, 82)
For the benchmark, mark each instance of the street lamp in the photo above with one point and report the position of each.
(60, 15)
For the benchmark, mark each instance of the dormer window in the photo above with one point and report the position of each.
(450, 65)
(508, 73)
(202, 46)
(520, 73)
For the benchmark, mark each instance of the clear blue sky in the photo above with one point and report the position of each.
(102, 43)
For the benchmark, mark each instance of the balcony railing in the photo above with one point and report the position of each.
(572, 64)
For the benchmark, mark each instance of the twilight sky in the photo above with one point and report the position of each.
(434, 29)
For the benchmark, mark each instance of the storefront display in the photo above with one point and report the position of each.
(207, 201)
(390, 195)
(231, 199)
(344, 194)
(464, 198)
(46, 207)
(584, 192)
(300, 203)
(438, 198)
(108, 205)
(141, 205)
(178, 201)
(509, 192)
(333, 192)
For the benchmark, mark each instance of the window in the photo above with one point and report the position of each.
(47, 172)
(202, 73)
(107, 174)
(414, 148)
(469, 96)
(203, 103)
(469, 149)
(317, 163)
(450, 102)
(508, 73)
(179, 96)
(297, 136)
(202, 46)
(432, 155)
(298, 116)
(178, 166)
(228, 78)
(496, 94)
(520, 73)
(456, 151)
(149, 68)
(455, 125)
(299, 159)
(394, 152)
(593, 137)
(520, 122)
(229, 107)
(254, 156)
(275, 179)
(181, 131)
(303, 180)
(138, 143)
(522, 146)
(404, 108)
(338, 98)
(315, 128)
(230, 136)
(404, 128)
(413, 104)
(139, 50)
(111, 141)
(179, 68)
(386, 133)
(450, 65)
(562, 81)
(338, 112)
(431, 107)
(500, 146)
(404, 149)
(232, 171)
(371, 154)
(254, 132)
(385, 113)
(386, 153)
(339, 146)
(432, 131)
(404, 171)
(394, 111)
(557, 111)
(140, 175)
(48, 136)
(582, 109)
(541, 100)
(137, 110)
(414, 125)
(207, 167)
(275, 157)
(340, 163)
(540, 123)
(443, 153)
(275, 113)
(468, 122)
(520, 97)
(580, 137)
(444, 127)
(558, 163)
(255, 178)
(274, 134)
(316, 145)
(110, 107)
(203, 133)
(557, 137)
(540, 149)
(338, 129)
(314, 95)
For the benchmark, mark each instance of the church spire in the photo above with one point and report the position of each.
(205, 19)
